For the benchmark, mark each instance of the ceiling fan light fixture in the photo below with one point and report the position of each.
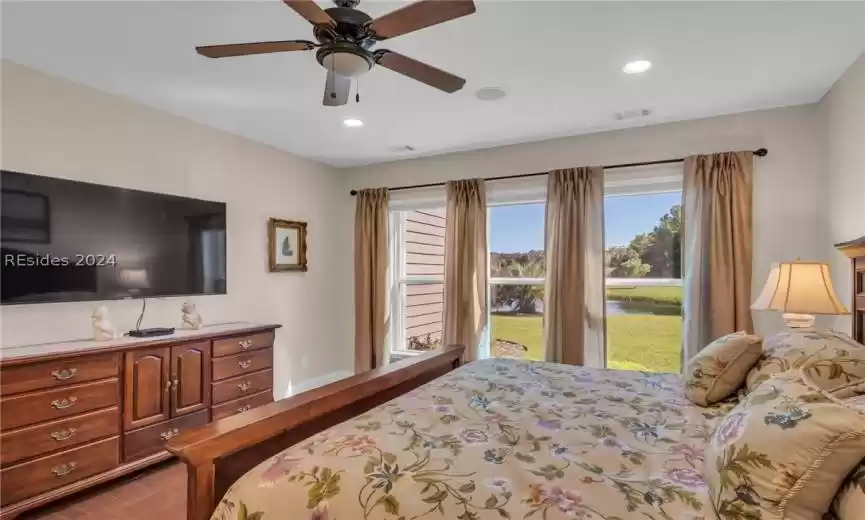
(347, 63)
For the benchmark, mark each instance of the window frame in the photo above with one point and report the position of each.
(651, 181)
(398, 280)
(514, 200)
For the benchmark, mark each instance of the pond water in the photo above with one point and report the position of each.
(614, 308)
(618, 307)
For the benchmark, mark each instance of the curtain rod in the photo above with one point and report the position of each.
(760, 152)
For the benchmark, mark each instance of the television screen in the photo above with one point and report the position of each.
(74, 241)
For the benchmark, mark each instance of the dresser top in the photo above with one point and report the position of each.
(66, 349)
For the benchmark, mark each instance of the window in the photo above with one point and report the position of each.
(517, 275)
(644, 286)
(642, 265)
(416, 302)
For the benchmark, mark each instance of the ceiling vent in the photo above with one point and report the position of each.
(632, 114)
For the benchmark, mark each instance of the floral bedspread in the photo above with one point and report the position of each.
(496, 439)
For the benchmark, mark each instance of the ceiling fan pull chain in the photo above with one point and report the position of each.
(357, 93)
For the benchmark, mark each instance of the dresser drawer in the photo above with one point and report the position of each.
(57, 435)
(241, 405)
(150, 440)
(40, 475)
(238, 344)
(241, 386)
(38, 376)
(245, 363)
(45, 405)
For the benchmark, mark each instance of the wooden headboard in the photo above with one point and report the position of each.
(855, 250)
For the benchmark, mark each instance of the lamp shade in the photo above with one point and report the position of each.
(800, 287)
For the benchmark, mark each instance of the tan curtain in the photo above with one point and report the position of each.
(465, 291)
(717, 246)
(370, 279)
(574, 291)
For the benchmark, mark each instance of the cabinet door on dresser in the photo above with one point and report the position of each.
(147, 388)
(190, 372)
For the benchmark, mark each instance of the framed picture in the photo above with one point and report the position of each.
(286, 245)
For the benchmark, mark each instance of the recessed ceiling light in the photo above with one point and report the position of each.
(353, 123)
(637, 67)
(490, 94)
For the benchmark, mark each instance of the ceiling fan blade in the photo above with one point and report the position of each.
(336, 89)
(311, 11)
(420, 71)
(246, 49)
(418, 15)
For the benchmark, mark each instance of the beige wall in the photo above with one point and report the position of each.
(843, 174)
(787, 210)
(57, 128)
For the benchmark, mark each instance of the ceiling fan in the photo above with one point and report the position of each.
(345, 39)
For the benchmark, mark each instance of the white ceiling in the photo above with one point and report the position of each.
(560, 63)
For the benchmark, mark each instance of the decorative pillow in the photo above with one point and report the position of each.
(849, 503)
(835, 358)
(784, 451)
(720, 369)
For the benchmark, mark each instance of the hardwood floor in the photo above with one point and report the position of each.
(156, 493)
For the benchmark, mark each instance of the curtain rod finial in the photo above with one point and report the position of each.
(353, 193)
(761, 152)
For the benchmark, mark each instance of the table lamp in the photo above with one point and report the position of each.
(799, 290)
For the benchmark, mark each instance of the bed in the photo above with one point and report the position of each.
(496, 438)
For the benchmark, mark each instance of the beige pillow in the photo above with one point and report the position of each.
(719, 370)
(835, 358)
(784, 451)
(849, 504)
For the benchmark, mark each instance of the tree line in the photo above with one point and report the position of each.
(656, 254)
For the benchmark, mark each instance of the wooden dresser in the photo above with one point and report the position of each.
(855, 250)
(73, 415)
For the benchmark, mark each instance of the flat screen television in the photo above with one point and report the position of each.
(68, 241)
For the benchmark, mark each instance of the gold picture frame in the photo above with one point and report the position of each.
(286, 245)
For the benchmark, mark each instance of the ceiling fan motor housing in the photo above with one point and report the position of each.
(344, 46)
(351, 25)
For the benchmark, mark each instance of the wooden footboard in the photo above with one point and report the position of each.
(218, 454)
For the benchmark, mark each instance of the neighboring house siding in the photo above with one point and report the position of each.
(424, 255)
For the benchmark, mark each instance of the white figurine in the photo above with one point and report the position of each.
(191, 318)
(103, 330)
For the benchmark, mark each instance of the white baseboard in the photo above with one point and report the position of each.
(315, 382)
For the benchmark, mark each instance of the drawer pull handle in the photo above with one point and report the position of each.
(63, 435)
(66, 373)
(243, 387)
(63, 469)
(66, 402)
(173, 432)
(245, 344)
(245, 363)
(244, 408)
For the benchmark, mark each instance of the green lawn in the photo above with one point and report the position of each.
(634, 341)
